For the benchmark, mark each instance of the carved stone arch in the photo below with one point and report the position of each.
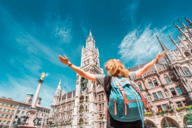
(150, 123)
(171, 121)
(81, 97)
(187, 68)
(184, 118)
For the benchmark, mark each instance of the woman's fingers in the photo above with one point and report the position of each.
(65, 56)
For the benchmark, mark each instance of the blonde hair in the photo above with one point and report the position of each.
(115, 68)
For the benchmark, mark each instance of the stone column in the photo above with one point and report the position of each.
(37, 94)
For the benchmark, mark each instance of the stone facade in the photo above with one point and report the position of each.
(167, 86)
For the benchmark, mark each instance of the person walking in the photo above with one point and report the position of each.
(114, 68)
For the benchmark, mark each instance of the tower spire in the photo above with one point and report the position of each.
(59, 85)
(90, 34)
(177, 46)
(161, 44)
(186, 27)
(64, 91)
(190, 23)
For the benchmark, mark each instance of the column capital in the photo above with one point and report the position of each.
(41, 81)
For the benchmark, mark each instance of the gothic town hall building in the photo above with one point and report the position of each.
(167, 85)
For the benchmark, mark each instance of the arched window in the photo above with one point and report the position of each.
(150, 83)
(186, 71)
(166, 78)
(155, 82)
(140, 86)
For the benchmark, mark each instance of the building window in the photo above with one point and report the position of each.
(185, 103)
(159, 107)
(11, 105)
(3, 103)
(155, 96)
(5, 110)
(179, 90)
(0, 109)
(15, 106)
(10, 116)
(8, 122)
(140, 86)
(103, 106)
(99, 107)
(12, 111)
(4, 122)
(0, 121)
(186, 71)
(99, 97)
(155, 82)
(164, 106)
(160, 94)
(6, 116)
(173, 91)
(179, 104)
(150, 84)
(171, 75)
(22, 112)
(166, 79)
(7, 104)
(2, 115)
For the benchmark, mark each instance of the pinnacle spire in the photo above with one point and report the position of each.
(173, 41)
(190, 23)
(64, 91)
(90, 34)
(161, 44)
(59, 85)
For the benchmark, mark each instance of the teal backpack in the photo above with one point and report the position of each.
(126, 102)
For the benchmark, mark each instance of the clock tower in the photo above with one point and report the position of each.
(85, 109)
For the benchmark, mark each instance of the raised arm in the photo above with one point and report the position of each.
(79, 71)
(149, 65)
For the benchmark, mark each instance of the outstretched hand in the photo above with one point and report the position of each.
(159, 55)
(64, 60)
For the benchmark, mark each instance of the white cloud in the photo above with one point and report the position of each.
(63, 29)
(85, 32)
(130, 10)
(141, 45)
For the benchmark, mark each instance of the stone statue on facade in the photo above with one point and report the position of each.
(173, 107)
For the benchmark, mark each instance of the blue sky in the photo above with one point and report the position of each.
(33, 33)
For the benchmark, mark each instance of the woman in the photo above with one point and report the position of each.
(117, 69)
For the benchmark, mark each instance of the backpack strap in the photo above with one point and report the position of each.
(123, 93)
(143, 99)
